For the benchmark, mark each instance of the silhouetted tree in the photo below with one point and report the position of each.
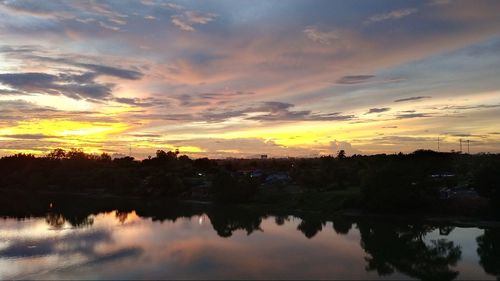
(488, 249)
(341, 154)
(310, 226)
(486, 177)
(225, 222)
(402, 248)
(57, 153)
(342, 225)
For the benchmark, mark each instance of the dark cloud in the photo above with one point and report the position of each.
(27, 136)
(146, 135)
(112, 71)
(413, 98)
(389, 127)
(21, 80)
(169, 117)
(279, 111)
(378, 110)
(400, 139)
(19, 49)
(467, 107)
(266, 111)
(302, 116)
(354, 79)
(145, 102)
(12, 111)
(9, 92)
(465, 135)
(93, 70)
(55, 85)
(204, 99)
(412, 115)
(77, 82)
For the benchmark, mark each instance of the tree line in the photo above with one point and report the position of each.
(387, 182)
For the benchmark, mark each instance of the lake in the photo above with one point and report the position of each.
(210, 243)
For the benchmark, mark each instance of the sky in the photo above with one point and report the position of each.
(286, 78)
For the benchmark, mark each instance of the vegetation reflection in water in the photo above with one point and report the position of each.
(75, 240)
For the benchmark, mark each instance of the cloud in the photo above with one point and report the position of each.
(9, 92)
(27, 136)
(74, 15)
(278, 111)
(467, 107)
(177, 21)
(199, 18)
(112, 71)
(146, 135)
(256, 49)
(248, 147)
(412, 115)
(144, 102)
(412, 98)
(343, 145)
(401, 139)
(210, 98)
(188, 19)
(392, 15)
(56, 85)
(440, 2)
(14, 111)
(38, 54)
(68, 77)
(389, 127)
(49, 246)
(465, 135)
(378, 110)
(175, 6)
(354, 79)
(263, 112)
(322, 37)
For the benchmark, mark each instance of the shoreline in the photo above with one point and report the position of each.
(458, 221)
(277, 209)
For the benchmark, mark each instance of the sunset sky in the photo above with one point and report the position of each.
(244, 78)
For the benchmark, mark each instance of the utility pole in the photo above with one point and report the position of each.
(438, 145)
(129, 150)
(468, 147)
(460, 145)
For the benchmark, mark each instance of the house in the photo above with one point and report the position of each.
(253, 173)
(458, 193)
(443, 175)
(277, 178)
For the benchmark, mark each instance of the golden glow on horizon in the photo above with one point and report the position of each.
(65, 128)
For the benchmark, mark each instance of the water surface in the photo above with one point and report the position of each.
(200, 244)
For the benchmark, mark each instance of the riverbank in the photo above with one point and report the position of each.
(288, 201)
